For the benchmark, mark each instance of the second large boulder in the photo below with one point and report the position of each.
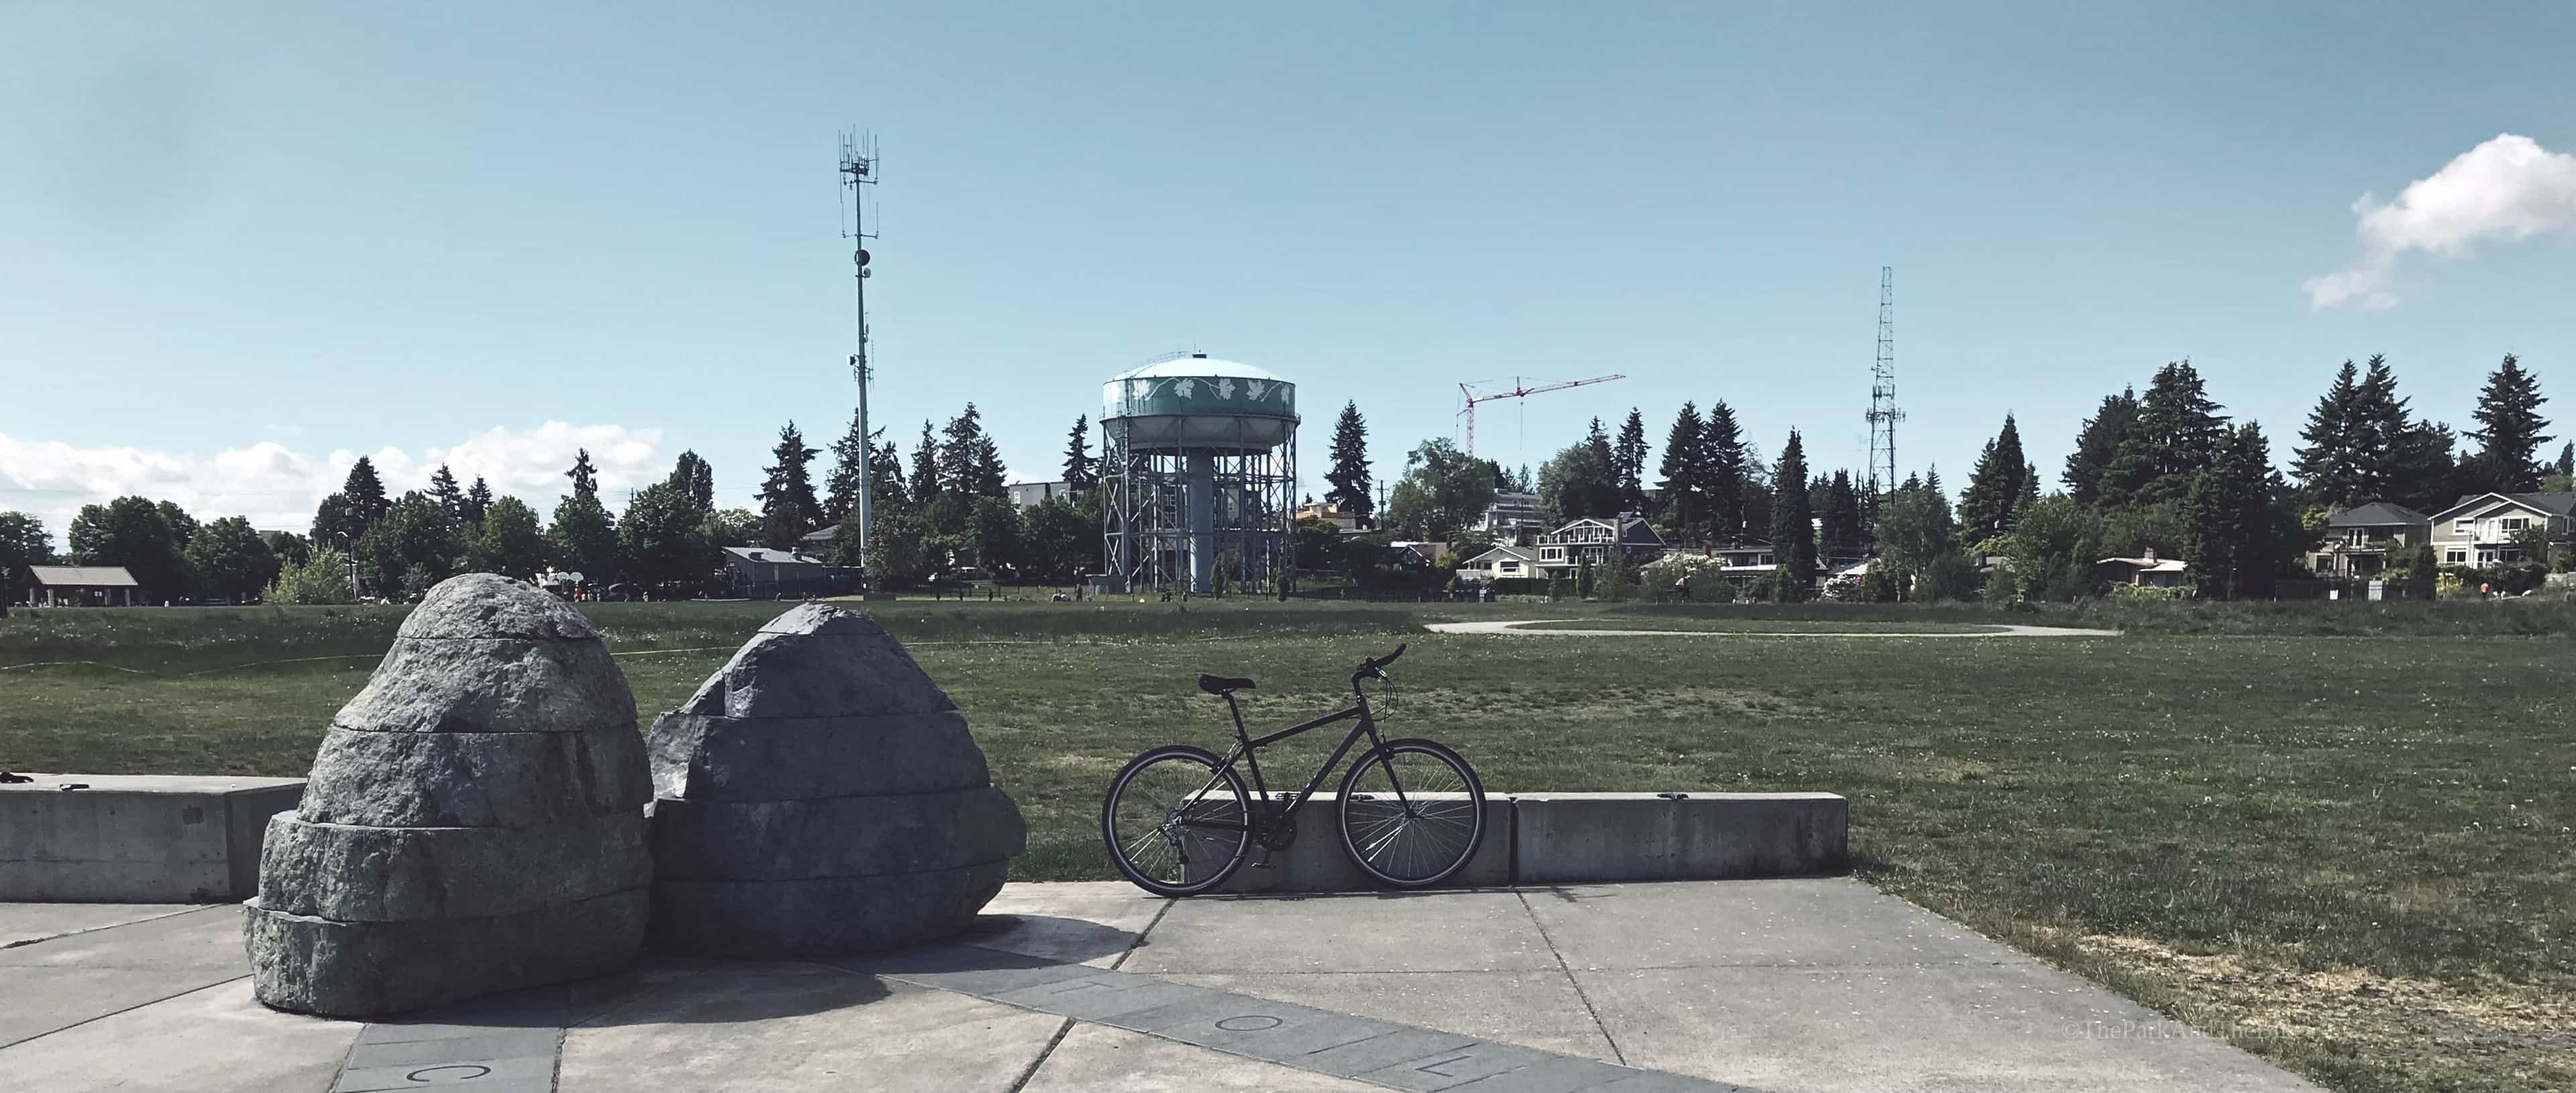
(819, 794)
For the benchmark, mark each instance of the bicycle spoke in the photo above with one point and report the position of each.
(1412, 815)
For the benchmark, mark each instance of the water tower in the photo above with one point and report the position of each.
(1198, 468)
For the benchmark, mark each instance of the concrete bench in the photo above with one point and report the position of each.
(136, 838)
(1595, 838)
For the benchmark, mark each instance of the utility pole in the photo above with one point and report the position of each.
(859, 169)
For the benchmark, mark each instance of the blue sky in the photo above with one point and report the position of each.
(238, 248)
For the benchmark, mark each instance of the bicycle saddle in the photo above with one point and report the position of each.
(1217, 685)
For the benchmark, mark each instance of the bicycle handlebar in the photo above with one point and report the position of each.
(1370, 666)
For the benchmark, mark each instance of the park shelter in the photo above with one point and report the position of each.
(83, 586)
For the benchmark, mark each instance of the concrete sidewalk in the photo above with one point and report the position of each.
(1776, 985)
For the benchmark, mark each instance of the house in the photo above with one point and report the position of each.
(1334, 515)
(1503, 563)
(2147, 571)
(1427, 551)
(2363, 540)
(818, 542)
(2484, 529)
(83, 586)
(1025, 494)
(1511, 513)
(1626, 536)
(760, 573)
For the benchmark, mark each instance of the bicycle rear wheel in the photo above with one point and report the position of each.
(1412, 813)
(1177, 821)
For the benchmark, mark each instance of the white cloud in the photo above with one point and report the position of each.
(278, 487)
(2506, 189)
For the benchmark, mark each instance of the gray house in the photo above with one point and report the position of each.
(2363, 540)
(82, 586)
(2486, 529)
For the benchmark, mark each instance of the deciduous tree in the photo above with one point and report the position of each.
(413, 547)
(582, 538)
(695, 479)
(24, 543)
(134, 533)
(507, 541)
(228, 560)
(662, 542)
(1443, 491)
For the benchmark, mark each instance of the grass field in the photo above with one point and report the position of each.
(1686, 625)
(2351, 854)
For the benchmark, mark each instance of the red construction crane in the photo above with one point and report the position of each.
(1517, 391)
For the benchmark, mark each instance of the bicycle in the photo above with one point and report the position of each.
(1178, 820)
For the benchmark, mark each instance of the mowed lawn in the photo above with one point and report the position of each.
(2351, 855)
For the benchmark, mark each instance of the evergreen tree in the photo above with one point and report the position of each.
(1995, 487)
(1349, 476)
(1793, 528)
(2098, 444)
(695, 480)
(1631, 453)
(2176, 435)
(478, 500)
(924, 486)
(2567, 460)
(585, 478)
(2509, 431)
(885, 481)
(1845, 535)
(1079, 477)
(2328, 460)
(1932, 482)
(444, 489)
(841, 487)
(2029, 489)
(2228, 508)
(787, 506)
(969, 463)
(1724, 473)
(1684, 510)
(366, 493)
(2401, 459)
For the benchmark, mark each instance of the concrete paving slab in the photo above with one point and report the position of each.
(1384, 1051)
(215, 1039)
(2005, 1028)
(534, 1074)
(1086, 922)
(1826, 922)
(1380, 932)
(1094, 1058)
(1532, 1009)
(1457, 1066)
(21, 923)
(1561, 1076)
(780, 1027)
(67, 980)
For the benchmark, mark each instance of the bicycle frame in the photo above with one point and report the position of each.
(1245, 745)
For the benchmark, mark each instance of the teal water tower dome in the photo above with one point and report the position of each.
(1199, 467)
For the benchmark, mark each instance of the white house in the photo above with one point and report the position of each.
(1503, 563)
(1628, 535)
(2484, 529)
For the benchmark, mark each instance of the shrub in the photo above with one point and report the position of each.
(322, 578)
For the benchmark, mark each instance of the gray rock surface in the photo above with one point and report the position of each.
(788, 758)
(821, 915)
(473, 822)
(819, 794)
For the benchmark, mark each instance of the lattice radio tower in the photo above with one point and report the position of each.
(859, 169)
(1883, 412)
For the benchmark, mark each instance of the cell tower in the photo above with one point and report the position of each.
(858, 169)
(1883, 413)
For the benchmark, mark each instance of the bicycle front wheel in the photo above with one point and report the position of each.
(1412, 813)
(1176, 820)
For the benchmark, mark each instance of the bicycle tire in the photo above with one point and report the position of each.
(1174, 878)
(1369, 812)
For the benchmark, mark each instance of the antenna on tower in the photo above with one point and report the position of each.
(1883, 412)
(859, 169)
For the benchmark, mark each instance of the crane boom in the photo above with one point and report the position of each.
(1517, 391)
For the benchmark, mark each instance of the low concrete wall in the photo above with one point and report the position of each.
(136, 838)
(1590, 838)
(1574, 838)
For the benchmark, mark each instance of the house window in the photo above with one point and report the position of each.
(1511, 567)
(2455, 557)
(2513, 523)
(2464, 527)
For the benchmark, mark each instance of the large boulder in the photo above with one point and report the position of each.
(474, 821)
(819, 794)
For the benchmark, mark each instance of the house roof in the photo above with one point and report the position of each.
(1625, 529)
(2149, 565)
(1522, 554)
(83, 576)
(823, 535)
(2376, 514)
(774, 557)
(2551, 504)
